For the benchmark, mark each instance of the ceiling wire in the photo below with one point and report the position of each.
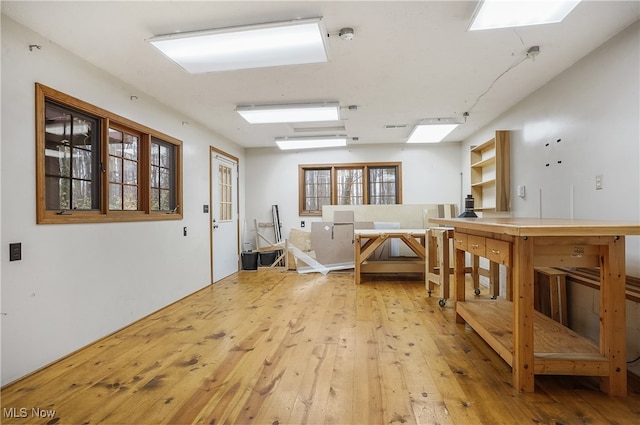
(518, 62)
(519, 36)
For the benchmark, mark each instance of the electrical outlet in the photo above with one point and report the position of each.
(599, 182)
(302, 223)
(184, 231)
(15, 251)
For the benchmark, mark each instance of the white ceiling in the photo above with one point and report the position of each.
(408, 60)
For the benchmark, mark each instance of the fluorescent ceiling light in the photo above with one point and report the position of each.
(432, 131)
(507, 14)
(261, 114)
(287, 143)
(253, 46)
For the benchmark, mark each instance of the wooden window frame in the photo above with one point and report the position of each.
(333, 172)
(106, 119)
(153, 139)
(302, 185)
(140, 168)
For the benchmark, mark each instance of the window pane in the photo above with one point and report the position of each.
(165, 201)
(58, 193)
(224, 192)
(58, 124)
(349, 186)
(123, 170)
(317, 189)
(165, 178)
(57, 160)
(164, 156)
(115, 197)
(383, 185)
(130, 172)
(115, 169)
(155, 154)
(72, 152)
(130, 147)
(81, 136)
(163, 175)
(82, 164)
(155, 176)
(115, 142)
(155, 199)
(81, 195)
(130, 198)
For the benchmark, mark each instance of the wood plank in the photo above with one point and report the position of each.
(393, 266)
(613, 329)
(550, 336)
(523, 315)
(558, 350)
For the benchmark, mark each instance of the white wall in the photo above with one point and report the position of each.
(77, 283)
(430, 175)
(594, 108)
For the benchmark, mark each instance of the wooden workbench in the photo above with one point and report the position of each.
(528, 341)
(368, 240)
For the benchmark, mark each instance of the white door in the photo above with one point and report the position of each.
(224, 215)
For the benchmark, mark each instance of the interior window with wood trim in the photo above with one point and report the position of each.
(95, 166)
(225, 192)
(348, 184)
(163, 176)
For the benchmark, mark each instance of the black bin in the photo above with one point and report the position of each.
(267, 258)
(249, 260)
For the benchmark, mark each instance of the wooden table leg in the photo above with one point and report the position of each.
(357, 248)
(494, 279)
(459, 275)
(443, 262)
(613, 331)
(430, 261)
(475, 271)
(523, 349)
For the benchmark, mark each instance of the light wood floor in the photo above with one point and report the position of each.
(269, 347)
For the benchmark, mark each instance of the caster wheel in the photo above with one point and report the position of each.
(476, 291)
(442, 302)
(493, 297)
(429, 292)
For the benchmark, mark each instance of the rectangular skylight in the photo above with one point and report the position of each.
(492, 14)
(432, 130)
(288, 143)
(253, 46)
(309, 112)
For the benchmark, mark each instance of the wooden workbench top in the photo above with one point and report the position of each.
(376, 232)
(543, 226)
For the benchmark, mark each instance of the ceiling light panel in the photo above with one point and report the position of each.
(256, 46)
(289, 143)
(492, 14)
(432, 131)
(311, 112)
